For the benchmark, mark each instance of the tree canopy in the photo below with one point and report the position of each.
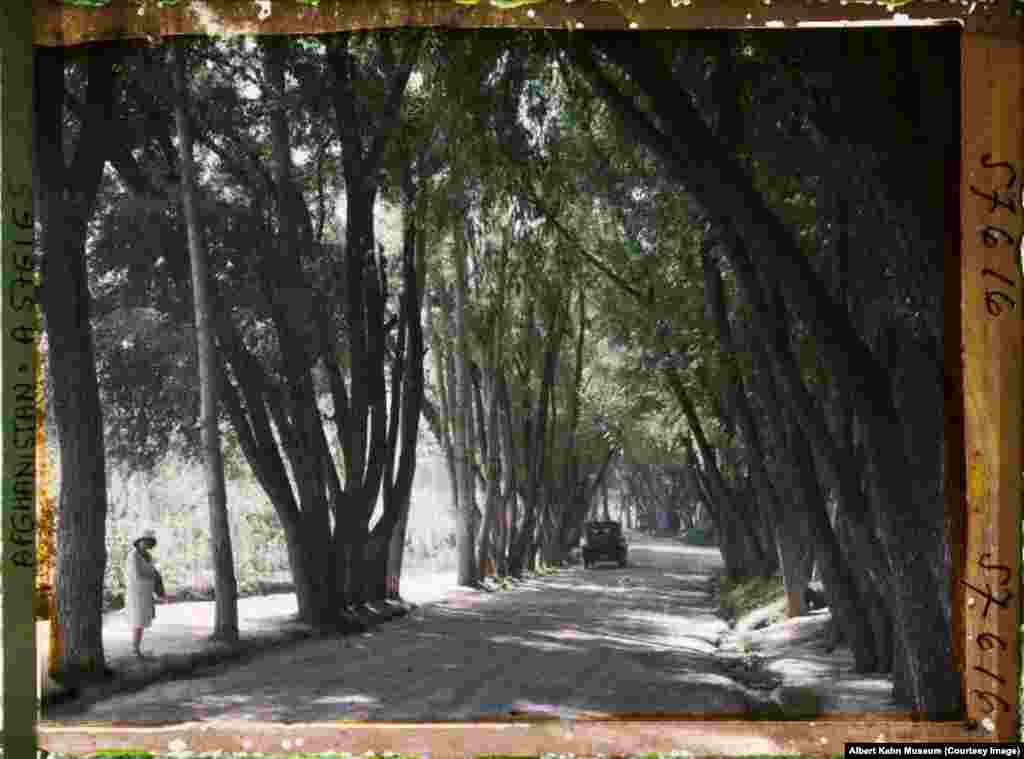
(688, 268)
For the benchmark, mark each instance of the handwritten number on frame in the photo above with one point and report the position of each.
(987, 697)
(992, 297)
(990, 235)
(993, 675)
(1011, 283)
(992, 302)
(1005, 572)
(989, 597)
(995, 200)
(988, 641)
(985, 161)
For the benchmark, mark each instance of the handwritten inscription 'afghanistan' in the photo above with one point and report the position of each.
(20, 421)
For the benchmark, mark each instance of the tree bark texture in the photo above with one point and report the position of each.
(463, 400)
(66, 200)
(397, 492)
(225, 626)
(739, 537)
(524, 551)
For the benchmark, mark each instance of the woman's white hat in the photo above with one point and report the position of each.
(147, 534)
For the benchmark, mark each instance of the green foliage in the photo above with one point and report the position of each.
(698, 536)
(183, 553)
(119, 544)
(146, 366)
(260, 549)
(738, 598)
(261, 529)
(236, 468)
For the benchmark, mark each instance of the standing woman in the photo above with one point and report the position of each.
(144, 582)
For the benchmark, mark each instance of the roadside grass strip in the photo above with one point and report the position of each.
(739, 598)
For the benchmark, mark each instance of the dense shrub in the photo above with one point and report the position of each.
(737, 598)
(172, 501)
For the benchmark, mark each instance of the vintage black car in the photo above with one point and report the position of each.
(603, 541)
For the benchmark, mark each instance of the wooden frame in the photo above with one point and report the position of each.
(984, 462)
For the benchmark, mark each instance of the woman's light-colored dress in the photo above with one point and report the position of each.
(139, 602)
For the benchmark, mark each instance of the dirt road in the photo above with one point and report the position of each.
(604, 640)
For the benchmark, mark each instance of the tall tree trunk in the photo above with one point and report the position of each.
(570, 491)
(848, 606)
(732, 521)
(463, 399)
(763, 528)
(795, 556)
(364, 434)
(729, 543)
(225, 626)
(485, 536)
(525, 549)
(488, 436)
(412, 392)
(365, 439)
(66, 200)
(247, 410)
(510, 460)
(441, 419)
(840, 467)
(295, 411)
(396, 556)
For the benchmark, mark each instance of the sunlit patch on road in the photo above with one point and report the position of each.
(804, 669)
(677, 548)
(703, 678)
(689, 578)
(577, 587)
(538, 709)
(348, 701)
(530, 642)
